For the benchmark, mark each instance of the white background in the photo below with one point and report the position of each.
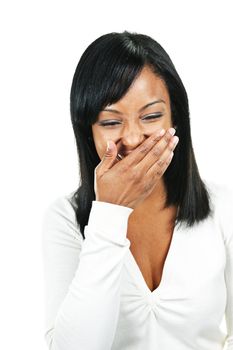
(41, 43)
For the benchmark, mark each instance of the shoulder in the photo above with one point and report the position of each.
(221, 196)
(59, 219)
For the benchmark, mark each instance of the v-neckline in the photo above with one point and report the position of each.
(138, 276)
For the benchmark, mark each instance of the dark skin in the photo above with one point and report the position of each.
(131, 128)
(150, 227)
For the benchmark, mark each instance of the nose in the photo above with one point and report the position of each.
(132, 137)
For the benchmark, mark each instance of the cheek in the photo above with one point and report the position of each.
(100, 140)
(101, 148)
(152, 128)
(165, 123)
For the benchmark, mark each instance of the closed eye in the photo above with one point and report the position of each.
(148, 117)
(108, 124)
(152, 116)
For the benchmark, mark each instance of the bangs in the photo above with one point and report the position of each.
(106, 76)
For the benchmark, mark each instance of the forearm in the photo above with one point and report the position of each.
(87, 317)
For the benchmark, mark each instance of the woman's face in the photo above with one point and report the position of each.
(143, 110)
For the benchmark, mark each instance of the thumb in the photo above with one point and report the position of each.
(109, 156)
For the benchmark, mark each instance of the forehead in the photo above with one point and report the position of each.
(145, 88)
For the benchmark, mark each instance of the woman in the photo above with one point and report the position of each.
(141, 255)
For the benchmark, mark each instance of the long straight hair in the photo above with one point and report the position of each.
(104, 73)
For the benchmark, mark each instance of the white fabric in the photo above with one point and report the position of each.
(96, 297)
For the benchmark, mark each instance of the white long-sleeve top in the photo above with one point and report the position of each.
(97, 299)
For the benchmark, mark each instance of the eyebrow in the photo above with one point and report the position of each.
(140, 110)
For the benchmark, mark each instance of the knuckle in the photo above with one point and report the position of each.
(156, 151)
(161, 162)
(147, 187)
(135, 176)
(156, 138)
(124, 167)
(171, 146)
(143, 149)
(167, 137)
(158, 172)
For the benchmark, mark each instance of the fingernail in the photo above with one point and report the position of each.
(175, 140)
(172, 131)
(109, 146)
(162, 132)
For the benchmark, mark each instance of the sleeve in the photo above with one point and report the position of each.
(82, 277)
(226, 218)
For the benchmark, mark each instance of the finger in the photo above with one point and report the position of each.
(157, 171)
(168, 151)
(108, 158)
(159, 167)
(156, 152)
(139, 153)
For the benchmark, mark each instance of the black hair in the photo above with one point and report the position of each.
(104, 73)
